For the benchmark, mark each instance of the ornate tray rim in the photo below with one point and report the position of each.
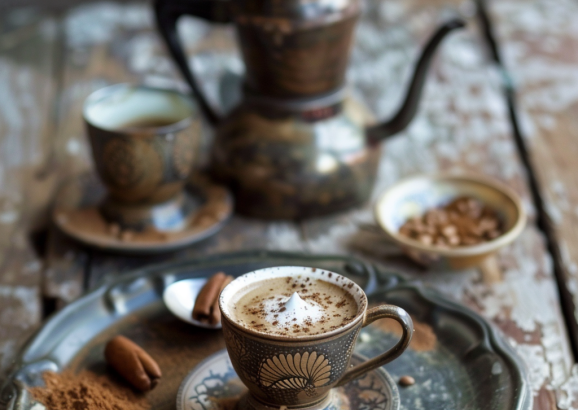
(37, 350)
(493, 339)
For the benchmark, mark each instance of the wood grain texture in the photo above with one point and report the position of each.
(88, 34)
(27, 45)
(539, 45)
(64, 270)
(462, 125)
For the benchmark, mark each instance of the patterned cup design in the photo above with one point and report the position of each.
(299, 371)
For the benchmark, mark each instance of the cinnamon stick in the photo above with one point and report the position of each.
(132, 363)
(206, 307)
(216, 312)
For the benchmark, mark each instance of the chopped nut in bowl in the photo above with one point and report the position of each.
(452, 221)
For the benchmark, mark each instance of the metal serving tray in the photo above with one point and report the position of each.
(470, 367)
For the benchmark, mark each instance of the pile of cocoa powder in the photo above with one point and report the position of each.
(463, 222)
(86, 391)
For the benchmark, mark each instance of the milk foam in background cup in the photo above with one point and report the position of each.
(281, 367)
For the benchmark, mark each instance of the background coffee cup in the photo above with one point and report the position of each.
(307, 367)
(143, 143)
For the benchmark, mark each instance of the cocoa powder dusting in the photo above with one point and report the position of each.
(86, 391)
(257, 316)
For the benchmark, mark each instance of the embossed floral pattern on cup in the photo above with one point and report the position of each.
(300, 371)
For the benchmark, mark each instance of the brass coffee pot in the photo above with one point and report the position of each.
(296, 146)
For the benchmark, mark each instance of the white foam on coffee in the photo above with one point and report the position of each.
(230, 294)
(229, 298)
(295, 308)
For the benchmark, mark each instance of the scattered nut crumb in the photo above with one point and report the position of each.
(406, 381)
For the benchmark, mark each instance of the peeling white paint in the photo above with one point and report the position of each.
(555, 353)
(462, 108)
(462, 111)
(284, 236)
(69, 290)
(567, 393)
(26, 311)
(81, 30)
(20, 121)
(537, 365)
(73, 146)
(335, 240)
(8, 350)
(550, 84)
(32, 267)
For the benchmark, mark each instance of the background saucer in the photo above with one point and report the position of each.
(76, 214)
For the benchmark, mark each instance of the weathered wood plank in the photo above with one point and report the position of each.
(64, 271)
(462, 126)
(87, 31)
(27, 44)
(539, 46)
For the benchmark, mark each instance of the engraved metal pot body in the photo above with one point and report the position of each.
(273, 149)
(294, 166)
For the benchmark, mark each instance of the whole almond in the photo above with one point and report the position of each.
(132, 363)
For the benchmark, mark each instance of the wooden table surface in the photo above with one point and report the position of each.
(51, 60)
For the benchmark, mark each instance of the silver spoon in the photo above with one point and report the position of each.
(180, 297)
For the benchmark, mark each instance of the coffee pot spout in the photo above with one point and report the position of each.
(409, 107)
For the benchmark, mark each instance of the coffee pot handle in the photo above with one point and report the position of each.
(167, 14)
(382, 312)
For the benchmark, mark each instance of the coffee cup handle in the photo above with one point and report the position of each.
(382, 312)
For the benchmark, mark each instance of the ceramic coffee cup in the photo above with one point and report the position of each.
(143, 143)
(300, 371)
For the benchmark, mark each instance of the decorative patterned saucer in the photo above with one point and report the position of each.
(76, 214)
(214, 385)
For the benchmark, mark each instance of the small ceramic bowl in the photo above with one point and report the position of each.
(180, 297)
(414, 196)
